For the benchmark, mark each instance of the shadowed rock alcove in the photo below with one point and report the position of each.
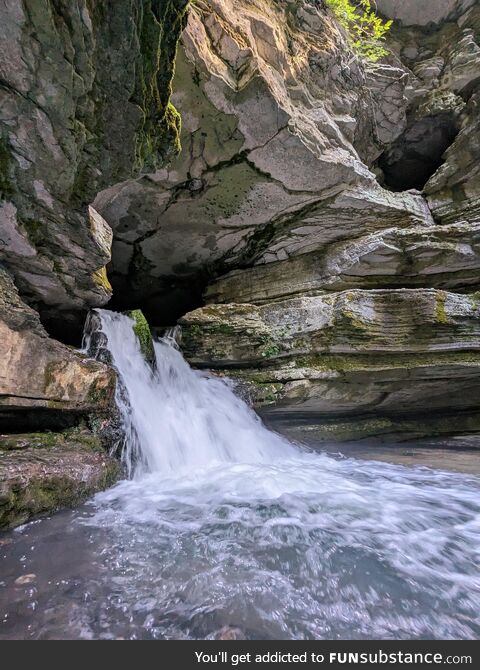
(418, 153)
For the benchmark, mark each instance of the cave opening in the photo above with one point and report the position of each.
(418, 153)
(163, 301)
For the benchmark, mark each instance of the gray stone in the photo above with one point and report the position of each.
(80, 110)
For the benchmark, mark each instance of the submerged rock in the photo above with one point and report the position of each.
(44, 472)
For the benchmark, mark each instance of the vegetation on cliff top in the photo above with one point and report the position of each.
(365, 29)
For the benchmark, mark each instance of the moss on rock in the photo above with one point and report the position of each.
(41, 473)
(143, 333)
(159, 25)
(6, 188)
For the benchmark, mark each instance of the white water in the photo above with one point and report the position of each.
(229, 523)
(224, 523)
(177, 420)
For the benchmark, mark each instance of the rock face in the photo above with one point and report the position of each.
(84, 102)
(43, 382)
(327, 207)
(358, 363)
(42, 473)
(355, 313)
(413, 12)
(280, 121)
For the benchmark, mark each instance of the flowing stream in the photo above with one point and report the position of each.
(224, 525)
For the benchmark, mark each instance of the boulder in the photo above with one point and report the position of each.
(43, 382)
(41, 473)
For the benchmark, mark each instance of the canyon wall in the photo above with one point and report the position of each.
(343, 197)
(317, 237)
(84, 103)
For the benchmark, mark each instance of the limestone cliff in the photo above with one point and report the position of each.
(352, 305)
(84, 103)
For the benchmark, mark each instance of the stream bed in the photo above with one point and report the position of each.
(318, 546)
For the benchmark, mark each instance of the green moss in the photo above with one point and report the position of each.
(270, 348)
(220, 329)
(365, 362)
(159, 26)
(77, 437)
(144, 336)
(100, 279)
(6, 171)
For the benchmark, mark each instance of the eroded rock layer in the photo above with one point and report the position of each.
(41, 473)
(280, 121)
(44, 383)
(354, 310)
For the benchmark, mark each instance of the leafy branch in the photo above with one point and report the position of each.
(365, 29)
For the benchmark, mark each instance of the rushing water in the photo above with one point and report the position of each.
(226, 524)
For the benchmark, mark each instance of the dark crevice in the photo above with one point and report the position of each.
(38, 419)
(65, 327)
(163, 301)
(418, 153)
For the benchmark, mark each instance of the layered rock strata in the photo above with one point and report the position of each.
(44, 383)
(280, 121)
(42, 473)
(358, 316)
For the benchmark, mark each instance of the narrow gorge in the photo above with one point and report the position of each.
(240, 276)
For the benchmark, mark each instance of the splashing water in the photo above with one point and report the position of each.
(177, 420)
(225, 523)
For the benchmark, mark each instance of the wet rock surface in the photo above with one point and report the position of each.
(41, 473)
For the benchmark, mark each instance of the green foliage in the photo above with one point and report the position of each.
(365, 29)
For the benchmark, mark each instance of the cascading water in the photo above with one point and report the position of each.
(177, 420)
(226, 524)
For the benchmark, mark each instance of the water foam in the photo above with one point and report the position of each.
(239, 526)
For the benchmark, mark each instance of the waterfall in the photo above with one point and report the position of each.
(225, 528)
(177, 419)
